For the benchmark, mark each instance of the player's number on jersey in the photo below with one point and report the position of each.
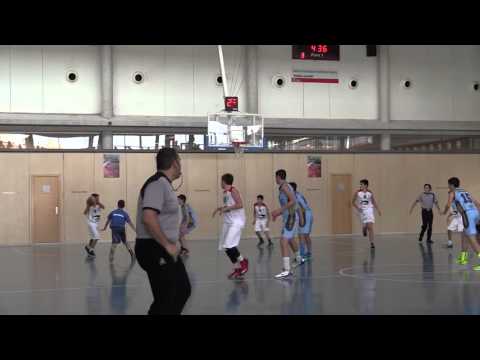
(466, 198)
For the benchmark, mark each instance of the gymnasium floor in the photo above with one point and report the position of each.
(344, 277)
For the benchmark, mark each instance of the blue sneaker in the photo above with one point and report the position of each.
(296, 263)
(302, 250)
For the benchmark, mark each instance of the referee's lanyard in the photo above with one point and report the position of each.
(181, 183)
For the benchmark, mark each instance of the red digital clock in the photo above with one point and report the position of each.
(231, 103)
(316, 52)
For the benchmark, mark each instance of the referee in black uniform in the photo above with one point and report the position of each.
(427, 199)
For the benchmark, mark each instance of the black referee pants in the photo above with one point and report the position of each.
(168, 278)
(427, 222)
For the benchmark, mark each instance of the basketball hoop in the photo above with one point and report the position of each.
(237, 148)
(230, 127)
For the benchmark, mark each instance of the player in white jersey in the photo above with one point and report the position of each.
(365, 203)
(261, 216)
(233, 224)
(92, 212)
(454, 224)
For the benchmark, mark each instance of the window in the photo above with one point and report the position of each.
(190, 142)
(126, 142)
(147, 142)
(53, 142)
(434, 143)
(281, 143)
(13, 141)
(132, 142)
(74, 143)
(324, 143)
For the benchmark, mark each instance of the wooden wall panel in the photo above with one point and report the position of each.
(14, 193)
(78, 185)
(138, 168)
(110, 189)
(259, 180)
(396, 181)
(201, 179)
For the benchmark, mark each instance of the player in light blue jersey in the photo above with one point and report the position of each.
(288, 210)
(305, 222)
(188, 224)
(468, 207)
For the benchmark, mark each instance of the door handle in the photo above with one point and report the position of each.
(56, 210)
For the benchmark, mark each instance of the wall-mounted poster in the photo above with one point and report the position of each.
(111, 165)
(314, 166)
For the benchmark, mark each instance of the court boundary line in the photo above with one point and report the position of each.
(342, 272)
(202, 282)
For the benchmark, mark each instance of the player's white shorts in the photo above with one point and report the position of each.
(367, 216)
(456, 224)
(93, 230)
(261, 225)
(231, 235)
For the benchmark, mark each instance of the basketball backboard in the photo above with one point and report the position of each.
(225, 128)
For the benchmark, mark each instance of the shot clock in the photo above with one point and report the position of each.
(231, 103)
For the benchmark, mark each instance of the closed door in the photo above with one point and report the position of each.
(341, 190)
(46, 209)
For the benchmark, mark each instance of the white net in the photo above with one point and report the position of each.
(238, 149)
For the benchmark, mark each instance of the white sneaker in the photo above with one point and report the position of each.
(283, 274)
(449, 244)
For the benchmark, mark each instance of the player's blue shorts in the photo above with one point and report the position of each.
(306, 229)
(118, 235)
(473, 218)
(290, 227)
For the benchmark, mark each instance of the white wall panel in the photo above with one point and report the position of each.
(235, 58)
(361, 102)
(4, 78)
(316, 99)
(82, 96)
(466, 70)
(407, 62)
(179, 80)
(147, 98)
(319, 100)
(277, 102)
(438, 79)
(441, 75)
(27, 79)
(208, 96)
